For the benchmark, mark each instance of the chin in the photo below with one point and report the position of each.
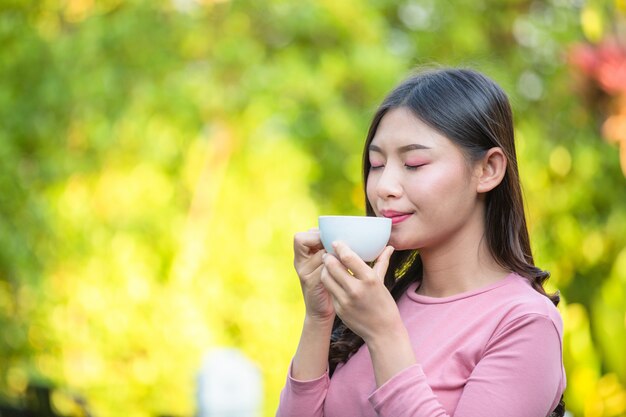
(399, 244)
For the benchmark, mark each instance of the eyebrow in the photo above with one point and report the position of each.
(401, 149)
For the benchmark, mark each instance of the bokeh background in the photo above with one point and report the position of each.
(157, 156)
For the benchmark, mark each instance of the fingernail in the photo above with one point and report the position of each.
(335, 244)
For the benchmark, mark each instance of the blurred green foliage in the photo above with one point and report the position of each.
(156, 158)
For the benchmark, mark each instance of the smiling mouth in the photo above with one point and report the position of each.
(396, 217)
(400, 218)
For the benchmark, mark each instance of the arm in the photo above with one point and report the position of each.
(520, 375)
(311, 359)
(390, 353)
(307, 382)
(365, 305)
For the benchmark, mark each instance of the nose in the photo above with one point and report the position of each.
(388, 184)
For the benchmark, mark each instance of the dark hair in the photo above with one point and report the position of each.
(474, 112)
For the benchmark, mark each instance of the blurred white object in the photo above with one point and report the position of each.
(229, 385)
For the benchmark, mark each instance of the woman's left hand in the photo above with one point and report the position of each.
(359, 295)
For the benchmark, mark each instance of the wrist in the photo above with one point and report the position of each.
(321, 323)
(390, 335)
(311, 359)
(391, 353)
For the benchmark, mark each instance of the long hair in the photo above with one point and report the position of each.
(473, 112)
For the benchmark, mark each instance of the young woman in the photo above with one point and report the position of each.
(452, 319)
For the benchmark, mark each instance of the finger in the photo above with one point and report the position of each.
(317, 259)
(310, 238)
(382, 263)
(313, 264)
(335, 290)
(338, 272)
(351, 260)
(305, 242)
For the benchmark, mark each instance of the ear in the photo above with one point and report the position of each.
(490, 170)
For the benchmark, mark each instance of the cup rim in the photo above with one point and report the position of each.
(353, 217)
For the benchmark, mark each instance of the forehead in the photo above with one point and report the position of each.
(399, 127)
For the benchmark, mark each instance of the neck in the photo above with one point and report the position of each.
(460, 264)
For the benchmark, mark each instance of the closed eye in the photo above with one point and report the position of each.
(413, 167)
(374, 167)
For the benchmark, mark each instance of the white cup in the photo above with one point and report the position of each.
(367, 236)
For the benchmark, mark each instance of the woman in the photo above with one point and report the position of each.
(452, 319)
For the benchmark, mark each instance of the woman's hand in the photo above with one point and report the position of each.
(365, 305)
(359, 295)
(308, 252)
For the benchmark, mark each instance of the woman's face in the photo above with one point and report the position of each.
(422, 181)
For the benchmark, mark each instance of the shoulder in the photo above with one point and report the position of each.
(520, 301)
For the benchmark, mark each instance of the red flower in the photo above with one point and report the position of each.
(605, 63)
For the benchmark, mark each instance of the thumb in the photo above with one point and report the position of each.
(382, 263)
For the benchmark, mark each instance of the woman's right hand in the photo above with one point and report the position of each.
(308, 251)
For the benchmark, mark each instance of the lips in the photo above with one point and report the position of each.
(395, 216)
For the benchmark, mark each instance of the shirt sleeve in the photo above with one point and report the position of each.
(303, 398)
(519, 375)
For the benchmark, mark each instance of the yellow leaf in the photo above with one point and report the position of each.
(592, 23)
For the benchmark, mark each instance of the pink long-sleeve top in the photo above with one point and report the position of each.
(491, 352)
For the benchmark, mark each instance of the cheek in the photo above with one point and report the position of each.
(369, 191)
(438, 186)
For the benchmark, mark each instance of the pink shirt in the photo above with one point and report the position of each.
(491, 352)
